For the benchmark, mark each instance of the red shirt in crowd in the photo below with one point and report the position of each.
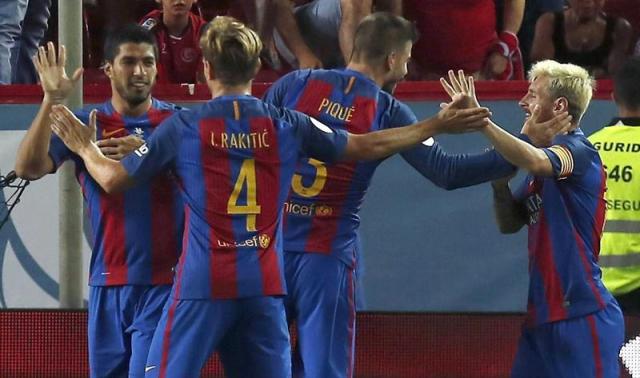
(180, 56)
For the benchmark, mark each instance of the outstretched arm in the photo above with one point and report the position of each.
(517, 152)
(109, 174)
(33, 160)
(451, 119)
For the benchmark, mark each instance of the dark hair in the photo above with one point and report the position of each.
(626, 84)
(379, 34)
(232, 48)
(131, 33)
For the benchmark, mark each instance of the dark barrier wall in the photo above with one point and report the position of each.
(426, 249)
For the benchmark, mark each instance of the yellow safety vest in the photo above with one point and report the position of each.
(619, 148)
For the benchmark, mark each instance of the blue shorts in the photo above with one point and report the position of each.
(582, 347)
(321, 300)
(122, 320)
(251, 335)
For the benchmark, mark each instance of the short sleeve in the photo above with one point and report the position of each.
(160, 150)
(569, 156)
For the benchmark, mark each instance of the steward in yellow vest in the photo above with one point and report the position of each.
(619, 148)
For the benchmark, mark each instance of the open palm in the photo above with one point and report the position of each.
(53, 77)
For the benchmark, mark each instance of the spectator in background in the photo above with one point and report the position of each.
(462, 35)
(620, 246)
(583, 35)
(328, 27)
(532, 11)
(177, 32)
(21, 30)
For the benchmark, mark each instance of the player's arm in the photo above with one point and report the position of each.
(150, 159)
(453, 171)
(522, 154)
(33, 160)
(450, 119)
(518, 152)
(510, 214)
(448, 171)
(109, 174)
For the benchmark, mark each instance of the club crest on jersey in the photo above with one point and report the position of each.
(264, 241)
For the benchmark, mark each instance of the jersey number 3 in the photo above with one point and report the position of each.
(318, 181)
(246, 180)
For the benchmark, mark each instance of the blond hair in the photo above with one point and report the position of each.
(566, 80)
(232, 48)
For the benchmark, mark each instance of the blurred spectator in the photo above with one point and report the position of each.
(629, 10)
(295, 50)
(463, 35)
(23, 25)
(328, 27)
(177, 32)
(532, 11)
(584, 35)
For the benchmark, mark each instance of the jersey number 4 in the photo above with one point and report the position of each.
(246, 180)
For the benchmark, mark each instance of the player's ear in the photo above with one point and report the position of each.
(209, 73)
(391, 60)
(561, 104)
(107, 67)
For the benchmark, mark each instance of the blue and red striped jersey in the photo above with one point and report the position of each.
(135, 235)
(321, 213)
(566, 215)
(235, 158)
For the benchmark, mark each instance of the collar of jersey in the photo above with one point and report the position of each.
(628, 121)
(360, 75)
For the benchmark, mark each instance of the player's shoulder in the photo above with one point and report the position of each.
(166, 106)
(295, 76)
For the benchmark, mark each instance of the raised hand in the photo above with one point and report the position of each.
(461, 85)
(117, 148)
(75, 134)
(53, 77)
(542, 133)
(454, 119)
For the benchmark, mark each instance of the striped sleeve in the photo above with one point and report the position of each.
(564, 165)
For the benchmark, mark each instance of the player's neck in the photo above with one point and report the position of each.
(218, 89)
(367, 71)
(624, 112)
(175, 25)
(123, 107)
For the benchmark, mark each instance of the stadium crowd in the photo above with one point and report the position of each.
(500, 39)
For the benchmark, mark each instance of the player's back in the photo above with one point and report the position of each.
(322, 208)
(235, 162)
